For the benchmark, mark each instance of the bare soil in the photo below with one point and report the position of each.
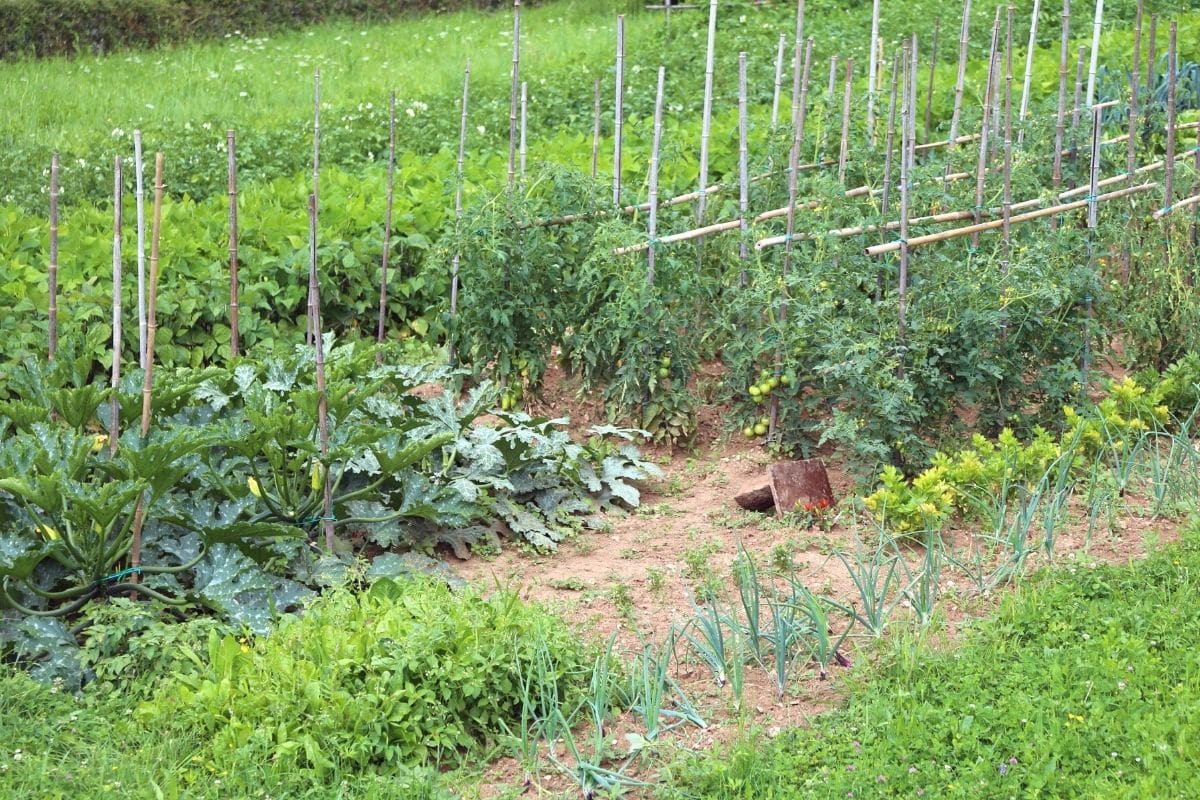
(640, 578)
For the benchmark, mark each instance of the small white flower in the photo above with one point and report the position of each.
(410, 112)
(243, 94)
(482, 130)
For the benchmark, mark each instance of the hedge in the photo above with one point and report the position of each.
(43, 28)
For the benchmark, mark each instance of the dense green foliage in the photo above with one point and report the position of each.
(1084, 684)
(400, 674)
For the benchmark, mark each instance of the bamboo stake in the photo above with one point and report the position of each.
(513, 96)
(52, 270)
(800, 96)
(596, 130)
(310, 325)
(1060, 121)
(387, 226)
(114, 431)
(963, 44)
(652, 220)
(981, 168)
(969, 230)
(1131, 137)
(778, 82)
(706, 120)
(139, 195)
(1028, 77)
(844, 147)
(524, 107)
(1172, 75)
(833, 63)
(1075, 110)
(1091, 86)
(322, 393)
(872, 71)
(1093, 217)
(1151, 45)
(990, 95)
(620, 109)
(231, 187)
(906, 115)
(885, 202)
(135, 549)
(743, 167)
(937, 23)
(458, 196)
(1008, 141)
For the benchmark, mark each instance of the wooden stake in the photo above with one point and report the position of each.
(596, 130)
(1060, 118)
(964, 37)
(1093, 217)
(833, 63)
(743, 167)
(231, 187)
(652, 219)
(387, 226)
(844, 148)
(135, 549)
(706, 119)
(1091, 85)
(1172, 75)
(458, 195)
(139, 196)
(52, 270)
(778, 82)
(1028, 77)
(513, 97)
(114, 431)
(932, 66)
(620, 109)
(315, 200)
(872, 70)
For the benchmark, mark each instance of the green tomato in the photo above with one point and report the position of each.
(760, 429)
(748, 432)
(755, 391)
(785, 380)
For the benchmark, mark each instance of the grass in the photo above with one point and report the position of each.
(267, 81)
(1084, 683)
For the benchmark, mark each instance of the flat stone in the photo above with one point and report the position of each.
(796, 482)
(789, 484)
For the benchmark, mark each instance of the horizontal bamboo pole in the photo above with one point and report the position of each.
(717, 227)
(970, 137)
(857, 230)
(1115, 179)
(1187, 202)
(891, 247)
(1186, 126)
(857, 192)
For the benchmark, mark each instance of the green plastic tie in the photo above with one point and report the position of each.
(116, 576)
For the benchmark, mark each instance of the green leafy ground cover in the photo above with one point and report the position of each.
(1084, 683)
